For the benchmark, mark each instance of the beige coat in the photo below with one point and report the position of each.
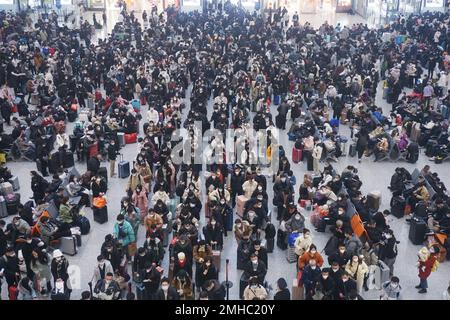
(302, 245)
(250, 294)
(357, 271)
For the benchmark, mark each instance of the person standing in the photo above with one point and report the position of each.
(425, 265)
(317, 155)
(112, 156)
(362, 142)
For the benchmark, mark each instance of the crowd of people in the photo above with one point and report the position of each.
(318, 80)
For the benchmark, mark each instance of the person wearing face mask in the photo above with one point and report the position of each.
(241, 229)
(102, 268)
(166, 291)
(124, 233)
(388, 250)
(160, 194)
(19, 228)
(59, 268)
(260, 178)
(308, 255)
(325, 286)
(152, 218)
(255, 291)
(201, 252)
(260, 251)
(357, 269)
(341, 257)
(214, 290)
(107, 289)
(9, 268)
(154, 248)
(345, 286)
(98, 186)
(59, 292)
(213, 234)
(303, 243)
(206, 271)
(255, 268)
(27, 248)
(309, 278)
(296, 222)
(249, 186)
(236, 182)
(150, 278)
(391, 290)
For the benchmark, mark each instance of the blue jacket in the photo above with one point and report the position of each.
(310, 277)
(129, 237)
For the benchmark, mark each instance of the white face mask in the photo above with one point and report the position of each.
(306, 236)
(313, 251)
(254, 261)
(192, 205)
(345, 280)
(254, 286)
(325, 277)
(283, 179)
(394, 285)
(342, 250)
(297, 217)
(165, 288)
(313, 267)
(260, 188)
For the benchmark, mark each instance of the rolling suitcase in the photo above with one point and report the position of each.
(240, 204)
(417, 230)
(217, 255)
(352, 150)
(15, 183)
(123, 168)
(270, 243)
(121, 138)
(3, 208)
(229, 221)
(69, 160)
(276, 99)
(165, 232)
(69, 245)
(130, 138)
(374, 200)
(12, 203)
(290, 254)
(297, 291)
(398, 206)
(85, 225)
(384, 272)
(309, 161)
(281, 239)
(297, 155)
(100, 214)
(90, 103)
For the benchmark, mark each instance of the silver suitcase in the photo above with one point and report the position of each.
(384, 272)
(69, 245)
(121, 137)
(3, 209)
(290, 255)
(165, 231)
(15, 183)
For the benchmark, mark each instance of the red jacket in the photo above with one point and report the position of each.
(425, 267)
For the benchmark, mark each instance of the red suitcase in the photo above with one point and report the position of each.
(130, 138)
(13, 292)
(297, 155)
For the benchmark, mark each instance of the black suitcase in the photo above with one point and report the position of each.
(413, 152)
(243, 283)
(281, 239)
(12, 203)
(398, 206)
(270, 243)
(100, 214)
(279, 122)
(352, 150)
(69, 161)
(309, 160)
(417, 231)
(85, 225)
(103, 172)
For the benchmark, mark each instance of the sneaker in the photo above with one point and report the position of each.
(431, 159)
(423, 291)
(418, 287)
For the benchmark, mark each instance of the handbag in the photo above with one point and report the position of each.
(132, 248)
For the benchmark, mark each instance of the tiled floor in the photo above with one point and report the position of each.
(375, 176)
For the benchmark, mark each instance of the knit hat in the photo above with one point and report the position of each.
(57, 253)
